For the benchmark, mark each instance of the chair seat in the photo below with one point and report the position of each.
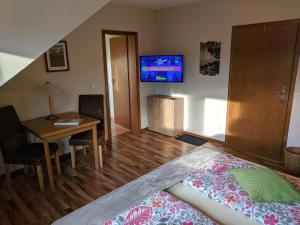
(30, 154)
(86, 138)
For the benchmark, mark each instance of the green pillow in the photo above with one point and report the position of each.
(264, 185)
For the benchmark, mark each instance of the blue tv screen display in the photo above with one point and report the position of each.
(164, 68)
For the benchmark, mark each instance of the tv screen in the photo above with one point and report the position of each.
(161, 68)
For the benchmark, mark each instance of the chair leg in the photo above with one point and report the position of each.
(84, 150)
(73, 156)
(104, 146)
(7, 175)
(26, 169)
(100, 156)
(40, 174)
(57, 163)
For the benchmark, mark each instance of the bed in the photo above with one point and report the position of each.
(179, 179)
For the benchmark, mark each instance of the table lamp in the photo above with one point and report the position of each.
(51, 90)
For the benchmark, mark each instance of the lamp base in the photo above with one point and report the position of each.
(51, 117)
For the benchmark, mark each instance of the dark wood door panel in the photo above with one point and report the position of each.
(133, 83)
(261, 70)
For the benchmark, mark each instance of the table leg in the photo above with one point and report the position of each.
(48, 162)
(96, 147)
(100, 156)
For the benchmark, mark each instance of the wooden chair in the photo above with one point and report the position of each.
(93, 106)
(16, 149)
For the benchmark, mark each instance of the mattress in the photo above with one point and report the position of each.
(160, 209)
(215, 181)
(208, 206)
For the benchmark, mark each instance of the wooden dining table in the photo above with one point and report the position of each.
(47, 131)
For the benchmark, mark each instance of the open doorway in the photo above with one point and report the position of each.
(122, 82)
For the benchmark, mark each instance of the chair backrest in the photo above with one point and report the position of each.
(12, 134)
(93, 106)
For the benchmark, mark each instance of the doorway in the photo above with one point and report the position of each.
(264, 59)
(120, 51)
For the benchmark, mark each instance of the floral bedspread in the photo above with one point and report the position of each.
(161, 209)
(216, 182)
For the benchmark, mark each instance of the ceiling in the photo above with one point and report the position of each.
(29, 28)
(155, 4)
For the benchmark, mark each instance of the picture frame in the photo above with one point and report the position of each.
(210, 53)
(56, 58)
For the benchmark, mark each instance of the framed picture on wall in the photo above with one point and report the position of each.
(210, 58)
(56, 58)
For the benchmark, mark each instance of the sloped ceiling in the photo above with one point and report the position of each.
(29, 27)
(155, 4)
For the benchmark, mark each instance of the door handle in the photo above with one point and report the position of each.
(282, 93)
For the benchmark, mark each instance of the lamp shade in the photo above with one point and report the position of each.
(51, 89)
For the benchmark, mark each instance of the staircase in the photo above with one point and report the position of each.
(29, 28)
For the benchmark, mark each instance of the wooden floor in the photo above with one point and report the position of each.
(129, 157)
(117, 129)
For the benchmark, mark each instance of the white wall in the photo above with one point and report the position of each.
(86, 65)
(294, 131)
(109, 77)
(181, 29)
(28, 28)
(174, 31)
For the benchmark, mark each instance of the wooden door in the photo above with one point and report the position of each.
(262, 59)
(119, 65)
(133, 83)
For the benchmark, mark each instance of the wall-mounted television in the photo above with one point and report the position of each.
(161, 68)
